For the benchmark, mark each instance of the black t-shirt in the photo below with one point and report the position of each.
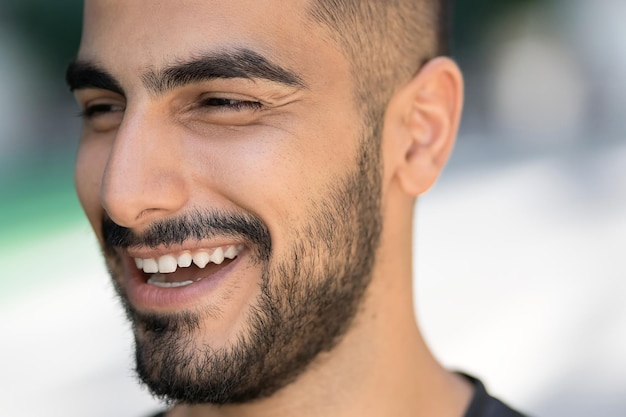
(481, 405)
(484, 405)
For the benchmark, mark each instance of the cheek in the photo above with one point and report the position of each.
(259, 169)
(90, 164)
(256, 169)
(275, 174)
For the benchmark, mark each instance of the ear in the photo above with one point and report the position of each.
(423, 119)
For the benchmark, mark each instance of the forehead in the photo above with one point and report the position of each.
(132, 36)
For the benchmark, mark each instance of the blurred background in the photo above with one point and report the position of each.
(521, 275)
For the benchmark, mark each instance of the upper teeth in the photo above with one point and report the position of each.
(169, 263)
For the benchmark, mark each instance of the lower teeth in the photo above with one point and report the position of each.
(158, 280)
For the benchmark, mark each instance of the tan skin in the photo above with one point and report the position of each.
(150, 156)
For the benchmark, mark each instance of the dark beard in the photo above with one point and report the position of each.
(306, 304)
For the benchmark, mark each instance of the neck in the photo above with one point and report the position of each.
(382, 366)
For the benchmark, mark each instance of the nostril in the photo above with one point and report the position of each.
(135, 202)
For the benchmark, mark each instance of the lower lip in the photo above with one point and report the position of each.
(144, 296)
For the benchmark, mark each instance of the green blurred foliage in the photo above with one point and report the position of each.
(50, 28)
(472, 18)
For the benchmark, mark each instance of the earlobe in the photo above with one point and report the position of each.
(429, 107)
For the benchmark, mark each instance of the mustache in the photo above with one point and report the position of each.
(197, 225)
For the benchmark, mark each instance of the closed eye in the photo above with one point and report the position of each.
(94, 110)
(103, 114)
(227, 104)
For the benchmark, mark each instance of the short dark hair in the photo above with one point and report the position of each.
(386, 41)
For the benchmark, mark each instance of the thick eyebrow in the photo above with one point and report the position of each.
(81, 74)
(240, 63)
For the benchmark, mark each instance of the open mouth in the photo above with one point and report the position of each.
(185, 268)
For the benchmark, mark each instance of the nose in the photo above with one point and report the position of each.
(143, 178)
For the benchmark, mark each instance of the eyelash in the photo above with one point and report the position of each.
(225, 104)
(228, 104)
(91, 111)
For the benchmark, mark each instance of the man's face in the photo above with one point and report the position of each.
(225, 132)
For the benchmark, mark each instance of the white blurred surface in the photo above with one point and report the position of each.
(521, 279)
(67, 348)
(520, 282)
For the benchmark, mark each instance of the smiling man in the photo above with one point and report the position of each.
(250, 168)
